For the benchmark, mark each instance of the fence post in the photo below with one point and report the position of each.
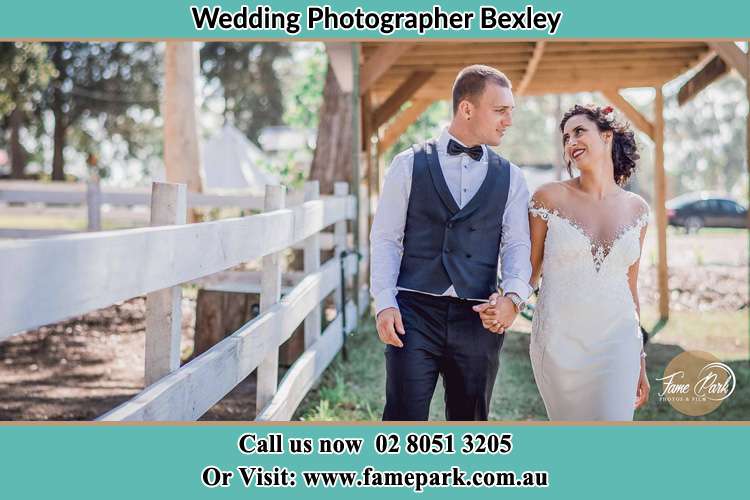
(270, 294)
(312, 265)
(363, 228)
(94, 202)
(339, 239)
(163, 307)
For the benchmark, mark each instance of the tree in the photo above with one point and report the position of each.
(245, 75)
(332, 161)
(304, 93)
(105, 81)
(705, 139)
(24, 72)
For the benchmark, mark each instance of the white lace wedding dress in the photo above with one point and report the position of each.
(585, 340)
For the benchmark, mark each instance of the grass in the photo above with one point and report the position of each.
(354, 389)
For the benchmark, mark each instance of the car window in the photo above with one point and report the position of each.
(728, 207)
(715, 206)
(700, 205)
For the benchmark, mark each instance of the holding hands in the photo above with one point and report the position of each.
(497, 314)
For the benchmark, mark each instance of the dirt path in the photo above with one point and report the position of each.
(81, 368)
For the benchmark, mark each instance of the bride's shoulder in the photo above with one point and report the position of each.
(547, 199)
(550, 195)
(637, 204)
(636, 210)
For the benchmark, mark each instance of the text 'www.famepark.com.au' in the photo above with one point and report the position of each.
(369, 477)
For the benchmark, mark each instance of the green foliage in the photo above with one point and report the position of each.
(245, 75)
(24, 72)
(287, 166)
(107, 95)
(305, 93)
(705, 140)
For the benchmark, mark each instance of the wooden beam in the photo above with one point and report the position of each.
(440, 90)
(402, 94)
(383, 58)
(660, 199)
(340, 57)
(732, 55)
(181, 143)
(635, 116)
(500, 59)
(712, 71)
(402, 122)
(531, 68)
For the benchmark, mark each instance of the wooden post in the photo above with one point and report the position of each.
(312, 265)
(94, 202)
(557, 140)
(339, 237)
(181, 139)
(356, 152)
(268, 369)
(163, 307)
(660, 192)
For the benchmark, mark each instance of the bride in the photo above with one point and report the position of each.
(586, 240)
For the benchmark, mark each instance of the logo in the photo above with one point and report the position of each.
(696, 382)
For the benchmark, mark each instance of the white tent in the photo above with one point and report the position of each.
(232, 161)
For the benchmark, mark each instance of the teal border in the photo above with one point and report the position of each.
(583, 461)
(171, 19)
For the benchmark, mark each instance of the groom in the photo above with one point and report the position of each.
(450, 209)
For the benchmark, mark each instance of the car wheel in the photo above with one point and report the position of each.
(693, 224)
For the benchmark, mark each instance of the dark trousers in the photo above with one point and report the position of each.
(444, 336)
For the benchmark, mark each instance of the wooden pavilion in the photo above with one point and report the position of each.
(392, 74)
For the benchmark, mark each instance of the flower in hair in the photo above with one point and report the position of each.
(607, 110)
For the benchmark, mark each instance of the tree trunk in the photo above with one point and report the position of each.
(58, 162)
(61, 126)
(332, 161)
(18, 155)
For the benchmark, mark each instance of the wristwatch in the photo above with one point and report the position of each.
(517, 301)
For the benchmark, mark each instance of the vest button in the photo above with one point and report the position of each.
(449, 225)
(468, 256)
(447, 250)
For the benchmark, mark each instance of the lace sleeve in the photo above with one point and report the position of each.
(643, 218)
(538, 210)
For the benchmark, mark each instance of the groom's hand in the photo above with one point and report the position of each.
(388, 323)
(497, 314)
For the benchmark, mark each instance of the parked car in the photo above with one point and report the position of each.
(694, 211)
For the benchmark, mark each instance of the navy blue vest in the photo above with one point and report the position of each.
(445, 245)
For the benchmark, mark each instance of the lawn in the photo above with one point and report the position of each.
(354, 389)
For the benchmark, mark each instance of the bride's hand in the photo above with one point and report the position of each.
(497, 314)
(641, 395)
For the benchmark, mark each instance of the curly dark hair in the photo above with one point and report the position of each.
(624, 148)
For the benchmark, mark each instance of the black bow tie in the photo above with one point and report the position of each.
(475, 152)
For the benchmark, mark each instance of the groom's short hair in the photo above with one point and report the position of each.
(471, 80)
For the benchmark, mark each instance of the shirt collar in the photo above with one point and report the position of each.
(442, 144)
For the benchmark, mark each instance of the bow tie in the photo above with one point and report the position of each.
(475, 152)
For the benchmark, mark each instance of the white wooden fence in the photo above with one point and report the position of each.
(74, 200)
(47, 280)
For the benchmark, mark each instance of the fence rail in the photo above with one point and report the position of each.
(48, 280)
